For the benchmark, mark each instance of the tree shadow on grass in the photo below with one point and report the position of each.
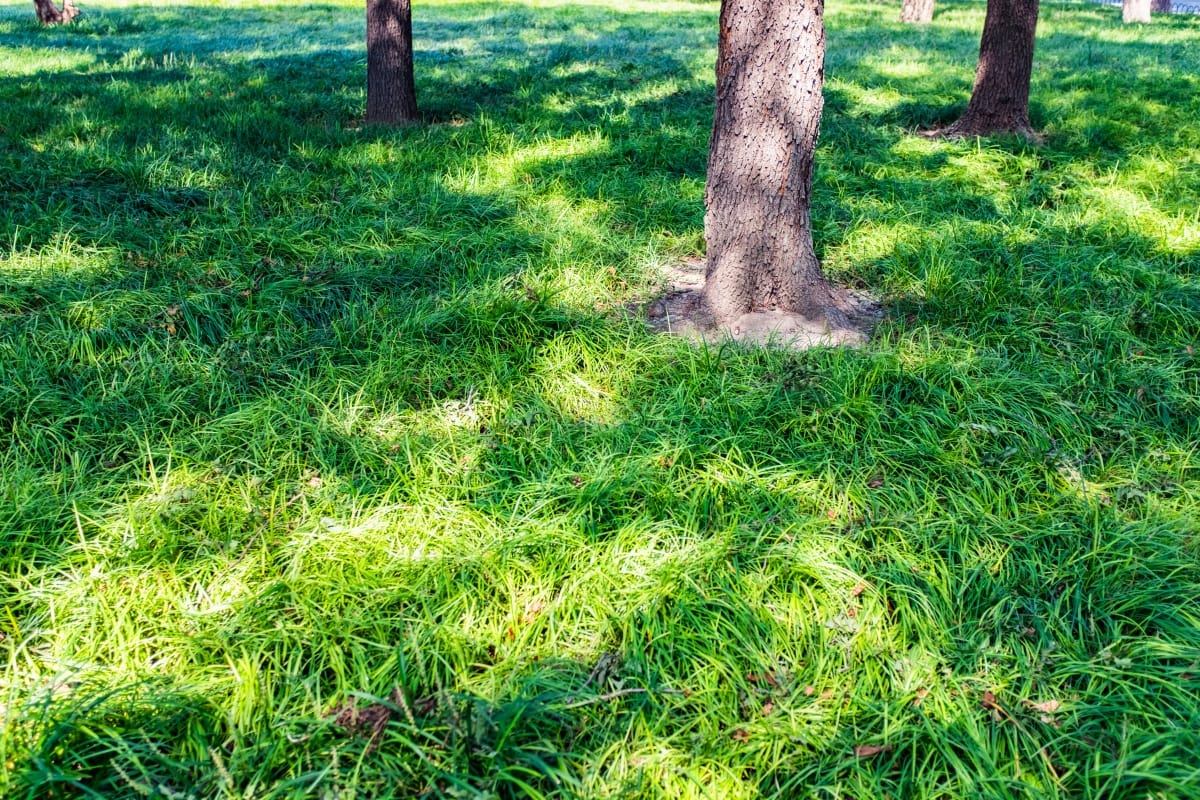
(705, 477)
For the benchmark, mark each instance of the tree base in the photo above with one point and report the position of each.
(50, 14)
(969, 128)
(682, 310)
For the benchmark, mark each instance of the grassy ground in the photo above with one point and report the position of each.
(332, 465)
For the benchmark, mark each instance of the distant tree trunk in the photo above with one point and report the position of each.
(1160, 6)
(50, 14)
(391, 89)
(1000, 99)
(1135, 11)
(770, 69)
(920, 11)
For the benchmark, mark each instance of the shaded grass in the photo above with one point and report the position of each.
(312, 427)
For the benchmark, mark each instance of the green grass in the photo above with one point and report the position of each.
(300, 417)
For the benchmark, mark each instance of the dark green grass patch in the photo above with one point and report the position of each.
(333, 464)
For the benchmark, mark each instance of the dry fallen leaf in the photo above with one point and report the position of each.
(922, 693)
(767, 708)
(858, 589)
(868, 750)
(740, 735)
(1048, 707)
(808, 690)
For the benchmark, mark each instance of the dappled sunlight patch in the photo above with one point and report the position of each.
(65, 258)
(20, 61)
(575, 381)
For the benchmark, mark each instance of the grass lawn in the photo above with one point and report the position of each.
(333, 464)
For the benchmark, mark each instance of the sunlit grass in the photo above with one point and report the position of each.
(301, 415)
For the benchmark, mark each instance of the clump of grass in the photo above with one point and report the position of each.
(334, 465)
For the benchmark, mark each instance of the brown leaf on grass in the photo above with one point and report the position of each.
(767, 708)
(858, 589)
(827, 694)
(868, 750)
(370, 721)
(808, 690)
(875, 482)
(172, 311)
(1047, 707)
(922, 693)
(532, 609)
(740, 735)
(988, 701)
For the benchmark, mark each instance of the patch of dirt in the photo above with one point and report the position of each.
(680, 310)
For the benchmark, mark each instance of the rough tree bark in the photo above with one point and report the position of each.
(1000, 99)
(391, 89)
(920, 11)
(760, 257)
(50, 14)
(1135, 11)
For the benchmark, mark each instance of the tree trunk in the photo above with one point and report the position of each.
(1000, 99)
(920, 11)
(770, 69)
(50, 14)
(1160, 6)
(1135, 11)
(391, 89)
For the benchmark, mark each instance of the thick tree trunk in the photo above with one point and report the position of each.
(1135, 11)
(770, 69)
(50, 14)
(1160, 6)
(920, 11)
(391, 89)
(1000, 99)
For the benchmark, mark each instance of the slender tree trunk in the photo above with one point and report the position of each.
(770, 69)
(919, 11)
(50, 14)
(1135, 11)
(391, 89)
(1160, 6)
(1000, 99)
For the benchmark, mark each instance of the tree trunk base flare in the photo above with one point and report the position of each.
(917, 11)
(1135, 11)
(1000, 99)
(682, 310)
(50, 14)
